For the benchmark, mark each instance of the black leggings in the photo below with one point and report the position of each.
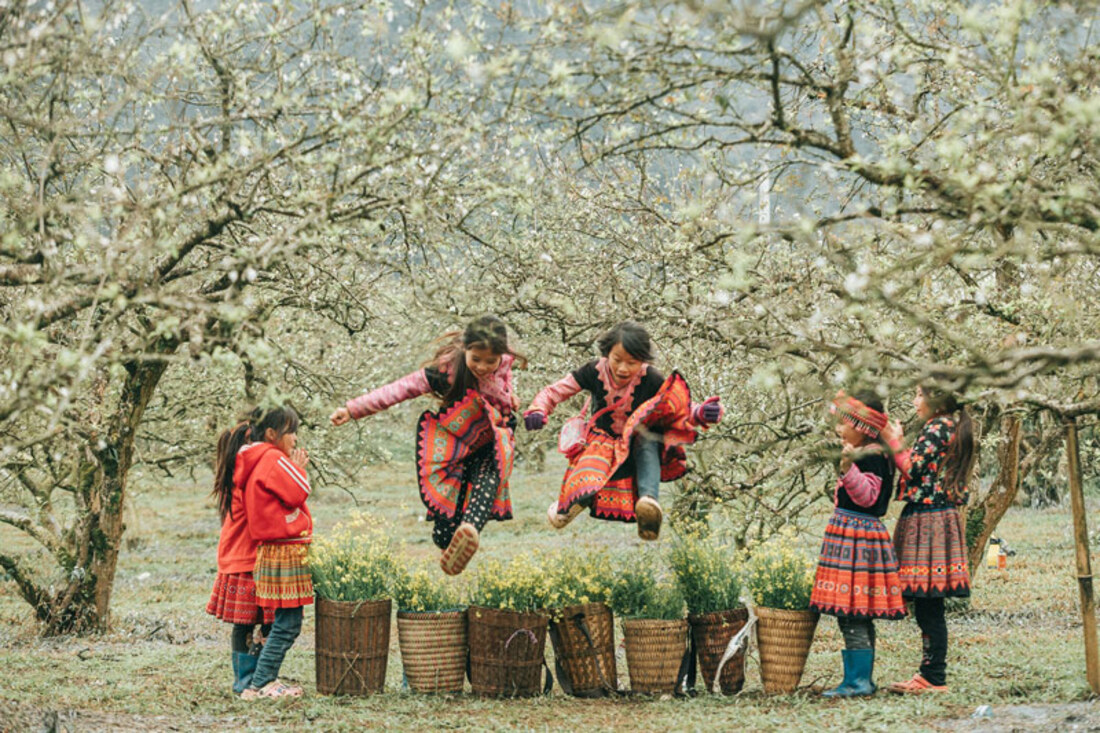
(480, 482)
(933, 627)
(859, 633)
(241, 638)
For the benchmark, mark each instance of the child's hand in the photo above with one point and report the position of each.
(893, 434)
(340, 417)
(847, 453)
(299, 457)
(710, 411)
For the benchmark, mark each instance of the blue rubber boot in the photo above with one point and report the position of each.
(244, 664)
(859, 665)
(842, 689)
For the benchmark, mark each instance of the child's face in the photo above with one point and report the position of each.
(924, 411)
(848, 434)
(481, 361)
(623, 366)
(284, 442)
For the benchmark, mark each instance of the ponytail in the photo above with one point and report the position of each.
(960, 456)
(251, 428)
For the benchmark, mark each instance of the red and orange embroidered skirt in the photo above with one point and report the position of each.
(282, 575)
(588, 479)
(233, 600)
(857, 572)
(931, 549)
(446, 439)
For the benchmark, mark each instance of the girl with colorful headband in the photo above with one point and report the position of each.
(857, 578)
(929, 537)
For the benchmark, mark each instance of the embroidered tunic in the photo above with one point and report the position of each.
(921, 482)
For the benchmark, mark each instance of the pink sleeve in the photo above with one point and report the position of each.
(553, 395)
(903, 458)
(383, 398)
(863, 488)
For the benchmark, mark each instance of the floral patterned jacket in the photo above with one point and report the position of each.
(921, 467)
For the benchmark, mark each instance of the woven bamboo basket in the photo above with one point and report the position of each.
(654, 651)
(507, 652)
(433, 650)
(784, 639)
(711, 633)
(353, 645)
(584, 646)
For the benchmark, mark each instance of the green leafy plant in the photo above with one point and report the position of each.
(708, 573)
(637, 593)
(422, 590)
(781, 575)
(520, 585)
(354, 562)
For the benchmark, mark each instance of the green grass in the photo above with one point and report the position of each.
(165, 662)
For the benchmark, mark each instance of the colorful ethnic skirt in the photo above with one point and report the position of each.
(282, 575)
(233, 600)
(857, 573)
(589, 478)
(931, 548)
(444, 441)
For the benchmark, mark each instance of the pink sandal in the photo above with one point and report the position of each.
(273, 689)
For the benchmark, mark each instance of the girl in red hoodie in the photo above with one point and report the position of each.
(266, 522)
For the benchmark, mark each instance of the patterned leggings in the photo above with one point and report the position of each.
(479, 491)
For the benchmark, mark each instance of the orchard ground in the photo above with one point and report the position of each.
(165, 663)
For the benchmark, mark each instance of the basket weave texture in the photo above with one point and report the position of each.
(507, 652)
(587, 666)
(352, 646)
(711, 633)
(433, 650)
(654, 651)
(784, 639)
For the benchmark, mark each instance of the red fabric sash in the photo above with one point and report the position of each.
(590, 471)
(446, 439)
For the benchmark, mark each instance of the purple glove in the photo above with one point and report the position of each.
(709, 412)
(534, 420)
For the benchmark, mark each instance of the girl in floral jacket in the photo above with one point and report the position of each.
(929, 538)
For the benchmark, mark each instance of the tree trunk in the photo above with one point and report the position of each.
(983, 518)
(84, 605)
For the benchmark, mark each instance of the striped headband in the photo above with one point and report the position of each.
(866, 420)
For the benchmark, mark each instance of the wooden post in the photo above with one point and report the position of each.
(1084, 564)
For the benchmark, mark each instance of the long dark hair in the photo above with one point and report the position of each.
(872, 400)
(485, 332)
(633, 337)
(959, 460)
(251, 429)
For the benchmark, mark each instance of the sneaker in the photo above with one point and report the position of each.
(648, 513)
(558, 521)
(462, 547)
(916, 686)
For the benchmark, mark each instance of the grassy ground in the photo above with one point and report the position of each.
(165, 664)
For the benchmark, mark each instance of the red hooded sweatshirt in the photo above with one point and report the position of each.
(275, 493)
(236, 548)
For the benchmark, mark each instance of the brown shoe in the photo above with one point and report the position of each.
(463, 545)
(648, 513)
(558, 521)
(916, 686)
